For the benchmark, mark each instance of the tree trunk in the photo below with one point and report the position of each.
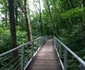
(71, 4)
(83, 23)
(13, 30)
(83, 3)
(57, 17)
(29, 32)
(41, 26)
(12, 23)
(16, 12)
(51, 18)
(5, 12)
(6, 16)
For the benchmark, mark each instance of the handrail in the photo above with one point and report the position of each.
(71, 52)
(17, 47)
(76, 56)
(22, 53)
(3, 54)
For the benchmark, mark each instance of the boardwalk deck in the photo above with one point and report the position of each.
(46, 58)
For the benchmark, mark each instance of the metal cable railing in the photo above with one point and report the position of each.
(58, 46)
(26, 52)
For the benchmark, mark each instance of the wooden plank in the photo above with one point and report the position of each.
(46, 58)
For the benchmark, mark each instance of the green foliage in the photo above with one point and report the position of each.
(73, 13)
(4, 40)
(68, 17)
(21, 37)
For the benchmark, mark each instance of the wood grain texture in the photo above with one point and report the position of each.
(46, 58)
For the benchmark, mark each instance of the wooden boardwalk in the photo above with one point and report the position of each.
(46, 58)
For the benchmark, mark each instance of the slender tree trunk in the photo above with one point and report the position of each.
(16, 12)
(5, 6)
(13, 29)
(50, 13)
(71, 3)
(29, 32)
(51, 18)
(41, 26)
(83, 23)
(83, 3)
(6, 13)
(66, 20)
(6, 16)
(67, 24)
(57, 16)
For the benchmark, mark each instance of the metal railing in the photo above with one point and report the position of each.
(58, 46)
(26, 52)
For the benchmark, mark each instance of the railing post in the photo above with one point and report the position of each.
(47, 38)
(54, 40)
(32, 48)
(65, 59)
(60, 50)
(57, 45)
(82, 67)
(37, 43)
(40, 41)
(22, 58)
